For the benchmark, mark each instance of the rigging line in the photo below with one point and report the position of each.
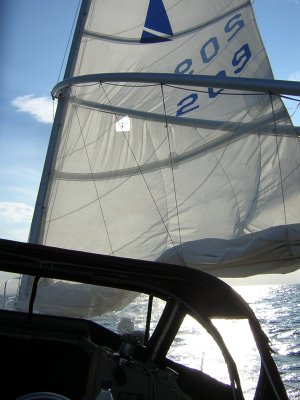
(93, 179)
(283, 96)
(220, 93)
(141, 172)
(295, 110)
(131, 86)
(280, 174)
(173, 175)
(183, 88)
(86, 84)
(69, 39)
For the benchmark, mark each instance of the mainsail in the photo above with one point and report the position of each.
(206, 177)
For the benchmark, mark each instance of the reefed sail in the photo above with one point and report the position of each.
(204, 177)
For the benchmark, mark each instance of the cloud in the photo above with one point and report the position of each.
(15, 212)
(41, 108)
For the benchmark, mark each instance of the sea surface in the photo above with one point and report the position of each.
(278, 309)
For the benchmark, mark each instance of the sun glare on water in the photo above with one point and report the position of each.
(195, 348)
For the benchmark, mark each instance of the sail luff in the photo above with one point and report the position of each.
(36, 224)
(56, 128)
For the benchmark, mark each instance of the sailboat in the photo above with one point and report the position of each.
(172, 161)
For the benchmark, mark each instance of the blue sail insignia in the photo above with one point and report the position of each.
(157, 25)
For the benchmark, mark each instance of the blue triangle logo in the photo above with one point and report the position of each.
(157, 25)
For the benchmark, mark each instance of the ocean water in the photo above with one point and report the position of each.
(278, 309)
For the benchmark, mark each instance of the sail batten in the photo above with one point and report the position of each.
(118, 37)
(264, 124)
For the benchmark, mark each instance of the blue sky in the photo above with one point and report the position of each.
(33, 39)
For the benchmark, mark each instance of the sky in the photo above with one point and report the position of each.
(33, 39)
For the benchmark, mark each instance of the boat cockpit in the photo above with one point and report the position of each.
(74, 323)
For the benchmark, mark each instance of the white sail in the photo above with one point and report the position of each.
(203, 177)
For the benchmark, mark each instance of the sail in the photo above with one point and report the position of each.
(200, 176)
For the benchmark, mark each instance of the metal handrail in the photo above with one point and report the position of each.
(236, 83)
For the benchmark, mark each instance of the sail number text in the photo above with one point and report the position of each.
(209, 50)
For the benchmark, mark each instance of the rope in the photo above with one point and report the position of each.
(173, 176)
(141, 172)
(94, 181)
(69, 39)
(280, 175)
